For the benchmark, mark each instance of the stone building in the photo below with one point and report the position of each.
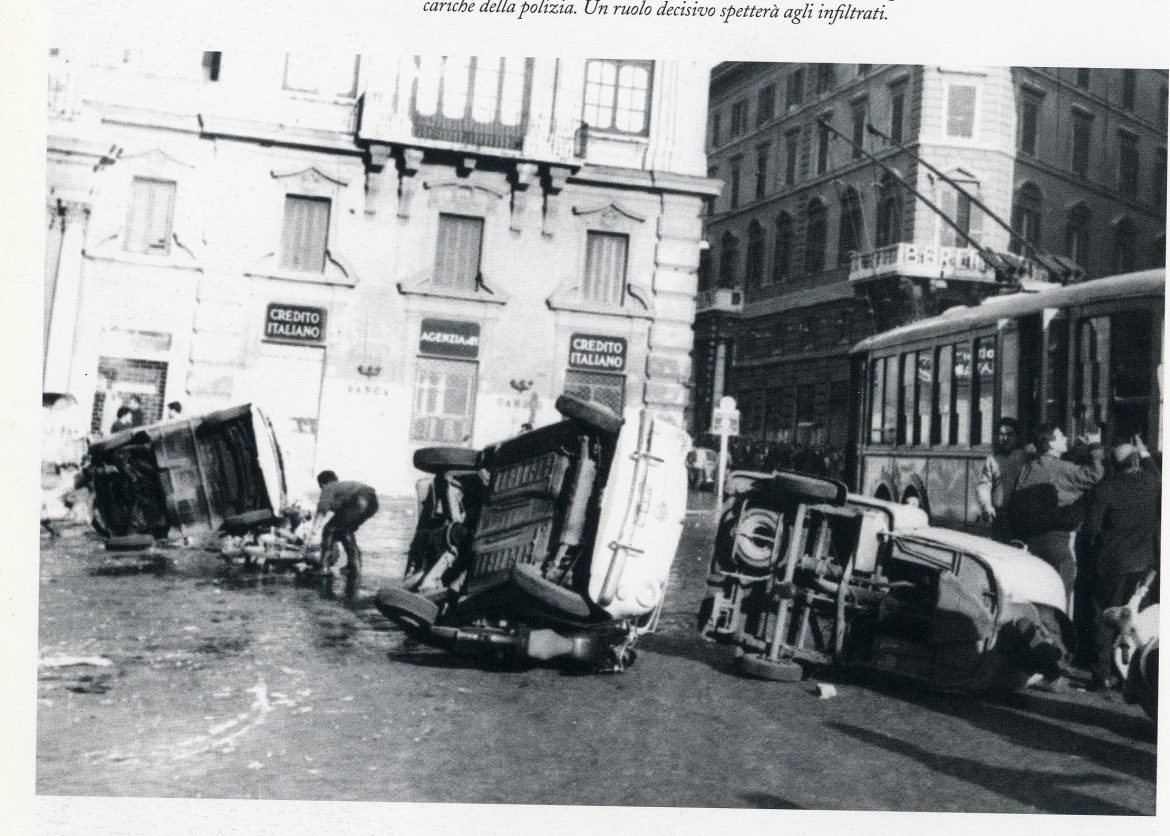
(384, 252)
(814, 245)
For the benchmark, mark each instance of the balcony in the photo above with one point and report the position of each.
(721, 299)
(920, 261)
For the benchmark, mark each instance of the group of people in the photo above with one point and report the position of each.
(1092, 514)
(130, 414)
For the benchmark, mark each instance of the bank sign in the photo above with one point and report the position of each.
(293, 323)
(449, 338)
(597, 353)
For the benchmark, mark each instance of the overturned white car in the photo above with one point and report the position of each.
(805, 575)
(553, 545)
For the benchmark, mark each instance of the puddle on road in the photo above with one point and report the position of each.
(145, 564)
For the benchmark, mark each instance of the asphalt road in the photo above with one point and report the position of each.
(225, 686)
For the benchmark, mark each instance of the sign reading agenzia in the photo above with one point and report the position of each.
(294, 323)
(449, 338)
(597, 353)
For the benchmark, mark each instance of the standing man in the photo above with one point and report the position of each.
(1047, 505)
(137, 416)
(342, 509)
(998, 476)
(1122, 528)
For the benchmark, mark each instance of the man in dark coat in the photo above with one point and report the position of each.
(341, 510)
(1122, 527)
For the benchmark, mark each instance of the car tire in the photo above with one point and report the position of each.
(248, 520)
(592, 414)
(759, 666)
(438, 460)
(129, 543)
(412, 612)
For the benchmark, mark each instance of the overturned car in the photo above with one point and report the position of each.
(216, 472)
(805, 575)
(555, 545)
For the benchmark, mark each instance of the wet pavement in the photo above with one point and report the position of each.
(221, 684)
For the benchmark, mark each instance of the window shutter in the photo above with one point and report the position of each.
(457, 252)
(306, 233)
(161, 206)
(605, 268)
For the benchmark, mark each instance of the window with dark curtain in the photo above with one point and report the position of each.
(755, 255)
(728, 261)
(1127, 163)
(765, 104)
(306, 233)
(1128, 89)
(889, 213)
(1082, 79)
(794, 90)
(823, 136)
(1029, 119)
(605, 268)
(791, 156)
(1082, 128)
(457, 252)
(1076, 238)
(897, 111)
(860, 112)
(1125, 246)
(850, 233)
(814, 237)
(782, 257)
(733, 182)
(762, 152)
(1027, 212)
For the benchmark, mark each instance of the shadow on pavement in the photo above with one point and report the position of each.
(1025, 720)
(1049, 791)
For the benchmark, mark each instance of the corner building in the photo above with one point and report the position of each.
(384, 252)
(813, 246)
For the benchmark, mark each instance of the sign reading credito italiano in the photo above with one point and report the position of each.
(597, 353)
(293, 323)
(449, 338)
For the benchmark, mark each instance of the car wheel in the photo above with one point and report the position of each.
(759, 666)
(441, 459)
(413, 613)
(129, 543)
(593, 414)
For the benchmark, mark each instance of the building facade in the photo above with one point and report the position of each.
(819, 240)
(383, 252)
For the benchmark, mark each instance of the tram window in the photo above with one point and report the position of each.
(984, 390)
(1009, 361)
(941, 432)
(1092, 372)
(1056, 386)
(906, 415)
(890, 410)
(1132, 370)
(922, 434)
(961, 395)
(877, 368)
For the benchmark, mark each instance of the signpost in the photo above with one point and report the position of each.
(725, 422)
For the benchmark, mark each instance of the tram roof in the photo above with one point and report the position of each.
(994, 308)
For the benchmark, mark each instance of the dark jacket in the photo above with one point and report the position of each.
(1123, 520)
(1049, 494)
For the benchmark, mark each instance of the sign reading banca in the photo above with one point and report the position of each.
(294, 323)
(449, 338)
(597, 353)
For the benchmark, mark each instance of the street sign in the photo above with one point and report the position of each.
(726, 423)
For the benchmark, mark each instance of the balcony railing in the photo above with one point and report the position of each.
(920, 261)
(720, 299)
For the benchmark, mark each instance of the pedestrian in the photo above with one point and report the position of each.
(998, 476)
(137, 416)
(1122, 532)
(1047, 507)
(174, 411)
(124, 420)
(341, 510)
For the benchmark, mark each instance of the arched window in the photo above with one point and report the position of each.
(1027, 211)
(1125, 246)
(728, 261)
(782, 254)
(814, 236)
(889, 213)
(852, 232)
(1076, 235)
(755, 255)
